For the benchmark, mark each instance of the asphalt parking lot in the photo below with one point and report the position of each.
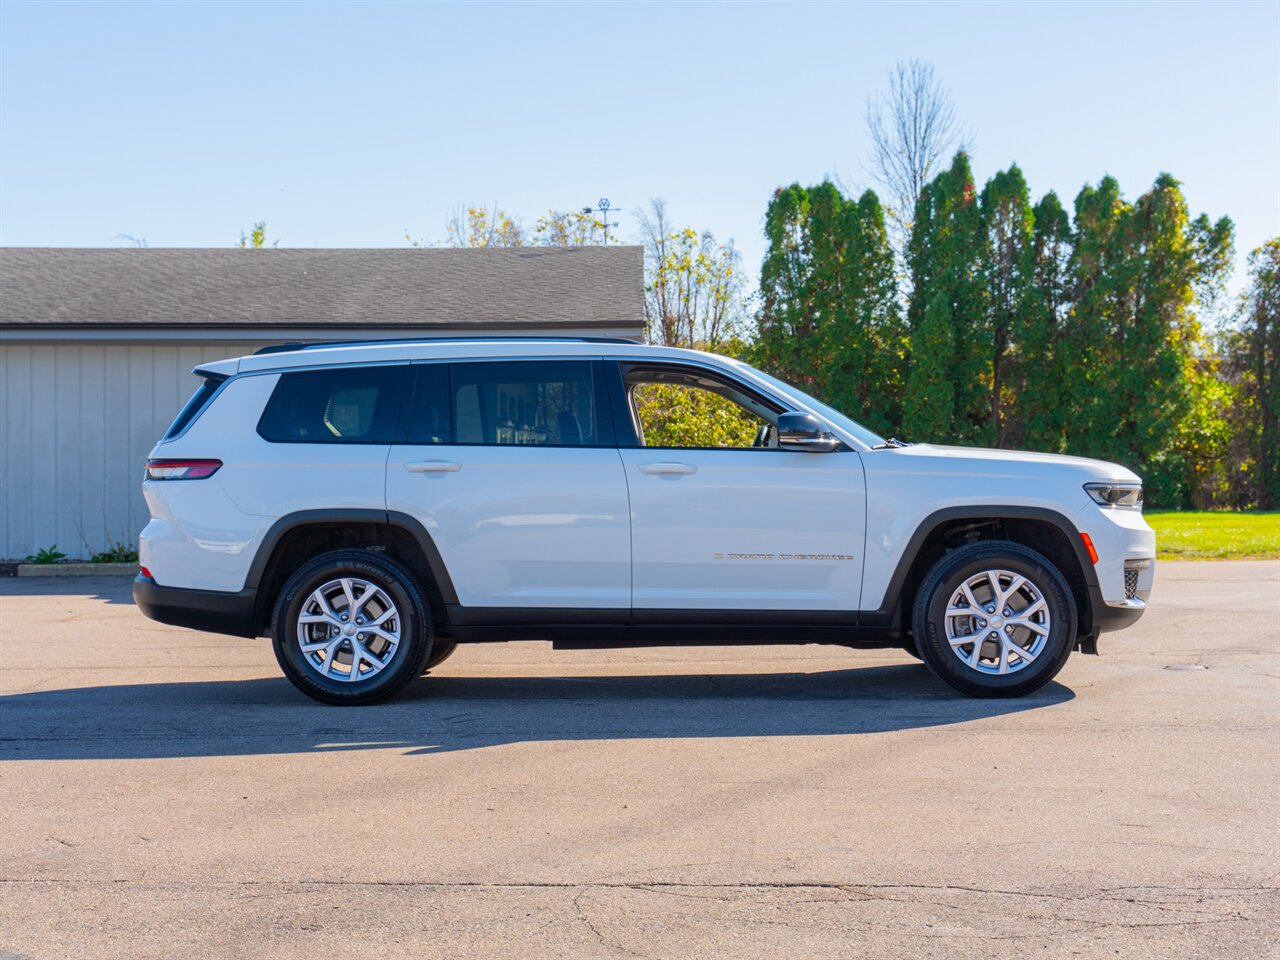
(165, 793)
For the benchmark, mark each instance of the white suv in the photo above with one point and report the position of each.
(372, 505)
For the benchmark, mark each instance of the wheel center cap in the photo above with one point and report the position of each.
(349, 630)
(997, 622)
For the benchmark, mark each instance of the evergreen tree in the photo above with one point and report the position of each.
(947, 253)
(865, 343)
(929, 408)
(786, 317)
(1133, 336)
(1041, 365)
(1008, 274)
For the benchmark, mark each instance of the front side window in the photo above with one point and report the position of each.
(687, 408)
(525, 403)
(340, 405)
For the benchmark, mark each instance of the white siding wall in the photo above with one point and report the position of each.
(76, 424)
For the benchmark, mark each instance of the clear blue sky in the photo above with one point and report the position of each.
(346, 124)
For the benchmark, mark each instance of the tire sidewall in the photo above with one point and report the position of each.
(399, 585)
(958, 567)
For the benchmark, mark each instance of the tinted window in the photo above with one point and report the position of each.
(430, 419)
(199, 400)
(344, 405)
(526, 402)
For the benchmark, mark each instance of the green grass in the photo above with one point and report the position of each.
(1216, 536)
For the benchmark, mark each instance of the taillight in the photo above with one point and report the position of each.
(181, 469)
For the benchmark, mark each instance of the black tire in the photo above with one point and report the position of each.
(441, 651)
(413, 620)
(959, 567)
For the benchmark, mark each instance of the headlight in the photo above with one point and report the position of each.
(1125, 495)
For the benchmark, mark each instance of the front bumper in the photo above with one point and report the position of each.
(211, 610)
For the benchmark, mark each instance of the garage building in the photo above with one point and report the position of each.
(97, 347)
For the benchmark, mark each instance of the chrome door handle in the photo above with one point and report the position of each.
(668, 467)
(433, 466)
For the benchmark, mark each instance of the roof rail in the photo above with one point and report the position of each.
(294, 345)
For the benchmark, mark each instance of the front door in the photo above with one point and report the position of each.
(721, 518)
(516, 476)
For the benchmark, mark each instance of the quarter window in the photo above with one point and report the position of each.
(340, 405)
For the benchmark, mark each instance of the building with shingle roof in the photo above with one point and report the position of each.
(97, 347)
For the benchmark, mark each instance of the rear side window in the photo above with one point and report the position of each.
(341, 405)
(199, 400)
(526, 403)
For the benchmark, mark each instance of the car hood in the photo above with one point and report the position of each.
(983, 461)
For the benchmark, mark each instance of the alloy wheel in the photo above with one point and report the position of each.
(997, 622)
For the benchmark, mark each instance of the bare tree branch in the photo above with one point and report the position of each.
(913, 126)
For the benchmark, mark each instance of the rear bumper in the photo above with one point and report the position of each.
(209, 610)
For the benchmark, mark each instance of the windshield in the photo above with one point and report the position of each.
(869, 437)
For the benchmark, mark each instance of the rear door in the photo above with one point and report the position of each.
(512, 467)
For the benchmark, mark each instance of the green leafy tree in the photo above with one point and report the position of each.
(255, 239)
(482, 226)
(693, 284)
(1133, 338)
(1253, 361)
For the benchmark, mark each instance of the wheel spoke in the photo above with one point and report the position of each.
(368, 655)
(364, 598)
(976, 655)
(349, 593)
(1031, 608)
(1024, 655)
(961, 641)
(1030, 625)
(327, 665)
(317, 618)
(968, 595)
(325, 607)
(1013, 588)
(380, 620)
(384, 634)
(1004, 657)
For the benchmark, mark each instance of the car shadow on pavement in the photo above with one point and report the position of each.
(450, 713)
(112, 589)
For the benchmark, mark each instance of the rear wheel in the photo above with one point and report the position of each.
(351, 627)
(995, 619)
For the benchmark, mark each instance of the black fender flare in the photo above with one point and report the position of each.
(414, 527)
(888, 611)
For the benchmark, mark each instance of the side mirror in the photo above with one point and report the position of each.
(804, 431)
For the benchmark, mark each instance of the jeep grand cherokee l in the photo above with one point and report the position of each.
(369, 506)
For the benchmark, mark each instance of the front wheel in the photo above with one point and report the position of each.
(351, 627)
(995, 619)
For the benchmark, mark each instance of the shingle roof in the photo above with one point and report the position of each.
(582, 286)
